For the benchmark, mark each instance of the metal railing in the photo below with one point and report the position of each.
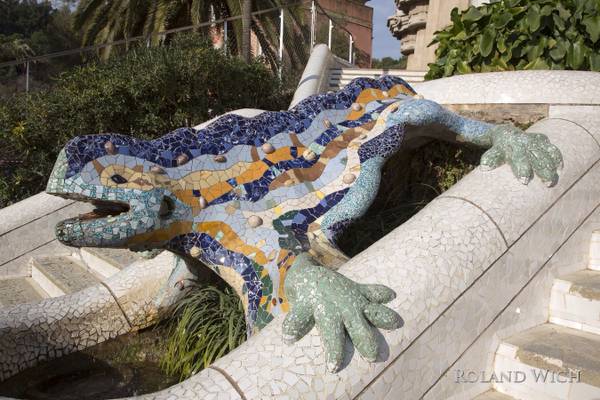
(219, 30)
(315, 8)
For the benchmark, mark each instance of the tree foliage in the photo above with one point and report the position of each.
(389, 63)
(145, 93)
(36, 24)
(29, 28)
(23, 17)
(520, 34)
(103, 21)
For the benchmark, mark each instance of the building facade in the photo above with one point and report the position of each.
(415, 23)
(357, 18)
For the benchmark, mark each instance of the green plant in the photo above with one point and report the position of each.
(29, 28)
(520, 34)
(146, 93)
(389, 63)
(208, 323)
(107, 21)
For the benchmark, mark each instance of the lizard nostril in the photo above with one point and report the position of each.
(167, 206)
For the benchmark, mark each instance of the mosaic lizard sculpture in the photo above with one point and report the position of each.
(261, 200)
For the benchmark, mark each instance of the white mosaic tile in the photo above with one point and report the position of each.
(30, 333)
(514, 206)
(208, 384)
(520, 87)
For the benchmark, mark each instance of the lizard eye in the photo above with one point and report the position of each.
(118, 179)
(166, 207)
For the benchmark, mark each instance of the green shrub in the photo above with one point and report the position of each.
(208, 323)
(520, 34)
(389, 63)
(146, 93)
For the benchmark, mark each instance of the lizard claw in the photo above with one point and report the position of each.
(335, 305)
(526, 153)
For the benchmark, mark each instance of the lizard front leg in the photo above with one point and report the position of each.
(526, 153)
(336, 304)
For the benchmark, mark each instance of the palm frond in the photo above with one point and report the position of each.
(102, 21)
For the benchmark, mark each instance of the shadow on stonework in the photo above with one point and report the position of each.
(411, 179)
(121, 367)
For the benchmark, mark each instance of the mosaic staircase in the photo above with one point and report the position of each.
(340, 77)
(559, 359)
(57, 275)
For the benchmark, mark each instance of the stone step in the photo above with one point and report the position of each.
(60, 275)
(106, 262)
(549, 362)
(338, 78)
(20, 290)
(374, 72)
(493, 395)
(575, 301)
(341, 77)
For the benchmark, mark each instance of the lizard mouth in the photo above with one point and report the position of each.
(112, 223)
(104, 209)
(89, 229)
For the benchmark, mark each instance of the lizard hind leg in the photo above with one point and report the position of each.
(182, 277)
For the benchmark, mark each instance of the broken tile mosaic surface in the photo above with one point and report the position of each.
(250, 196)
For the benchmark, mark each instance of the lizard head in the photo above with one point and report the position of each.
(133, 197)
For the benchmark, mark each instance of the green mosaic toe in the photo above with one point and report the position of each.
(336, 305)
(298, 322)
(527, 154)
(492, 158)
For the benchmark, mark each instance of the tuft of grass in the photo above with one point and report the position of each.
(207, 324)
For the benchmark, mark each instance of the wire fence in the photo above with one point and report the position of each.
(282, 37)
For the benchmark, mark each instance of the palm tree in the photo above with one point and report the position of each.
(14, 48)
(246, 22)
(101, 21)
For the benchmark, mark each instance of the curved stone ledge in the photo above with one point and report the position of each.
(315, 76)
(586, 116)
(208, 384)
(524, 87)
(138, 289)
(28, 210)
(515, 207)
(30, 333)
(125, 302)
(38, 214)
